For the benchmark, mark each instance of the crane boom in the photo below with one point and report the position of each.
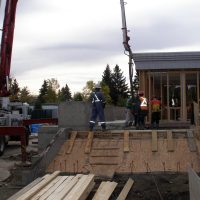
(6, 45)
(126, 38)
(127, 47)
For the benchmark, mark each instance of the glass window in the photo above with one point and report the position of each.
(174, 95)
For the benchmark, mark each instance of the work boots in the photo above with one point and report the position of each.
(103, 126)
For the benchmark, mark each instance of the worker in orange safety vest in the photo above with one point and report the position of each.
(155, 112)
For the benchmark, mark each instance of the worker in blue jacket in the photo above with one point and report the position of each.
(98, 105)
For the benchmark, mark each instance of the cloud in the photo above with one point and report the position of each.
(73, 41)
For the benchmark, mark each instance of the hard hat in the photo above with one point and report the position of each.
(97, 86)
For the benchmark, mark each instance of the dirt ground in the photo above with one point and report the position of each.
(152, 186)
(8, 160)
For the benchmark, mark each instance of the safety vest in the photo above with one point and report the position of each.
(143, 103)
(155, 105)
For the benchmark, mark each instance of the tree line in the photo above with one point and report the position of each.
(113, 84)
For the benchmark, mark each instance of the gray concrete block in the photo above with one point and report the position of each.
(76, 114)
(45, 135)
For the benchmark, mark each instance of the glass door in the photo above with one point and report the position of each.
(174, 94)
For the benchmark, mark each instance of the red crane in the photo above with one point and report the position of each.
(6, 46)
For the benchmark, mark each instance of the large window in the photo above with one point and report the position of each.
(177, 90)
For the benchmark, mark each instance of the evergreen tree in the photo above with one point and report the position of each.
(43, 92)
(14, 90)
(64, 94)
(119, 88)
(78, 96)
(136, 83)
(107, 76)
(25, 96)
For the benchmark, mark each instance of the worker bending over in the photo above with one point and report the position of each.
(98, 105)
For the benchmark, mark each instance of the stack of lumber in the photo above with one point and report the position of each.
(78, 187)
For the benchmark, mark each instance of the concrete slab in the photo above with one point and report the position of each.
(5, 169)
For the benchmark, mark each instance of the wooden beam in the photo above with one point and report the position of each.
(191, 141)
(105, 190)
(89, 142)
(25, 189)
(123, 194)
(29, 194)
(59, 189)
(170, 141)
(71, 142)
(126, 141)
(82, 189)
(154, 141)
(46, 188)
(67, 188)
(51, 188)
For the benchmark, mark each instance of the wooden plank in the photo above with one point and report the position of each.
(82, 188)
(71, 141)
(66, 189)
(123, 194)
(126, 141)
(46, 188)
(30, 193)
(103, 163)
(191, 141)
(89, 142)
(170, 141)
(25, 189)
(105, 190)
(50, 188)
(154, 141)
(197, 132)
(60, 187)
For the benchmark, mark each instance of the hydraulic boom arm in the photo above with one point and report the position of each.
(127, 47)
(6, 45)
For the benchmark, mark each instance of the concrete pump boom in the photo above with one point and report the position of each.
(127, 47)
(6, 45)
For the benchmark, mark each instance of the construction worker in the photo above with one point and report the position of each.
(129, 114)
(155, 112)
(136, 108)
(133, 106)
(143, 110)
(98, 105)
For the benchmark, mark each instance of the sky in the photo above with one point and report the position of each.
(74, 40)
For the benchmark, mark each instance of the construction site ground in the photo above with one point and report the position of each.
(163, 185)
(8, 161)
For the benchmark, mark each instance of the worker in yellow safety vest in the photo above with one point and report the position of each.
(143, 110)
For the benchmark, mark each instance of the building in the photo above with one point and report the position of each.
(172, 76)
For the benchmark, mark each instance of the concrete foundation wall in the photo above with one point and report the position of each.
(45, 135)
(76, 114)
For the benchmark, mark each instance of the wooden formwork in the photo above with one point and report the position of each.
(128, 151)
